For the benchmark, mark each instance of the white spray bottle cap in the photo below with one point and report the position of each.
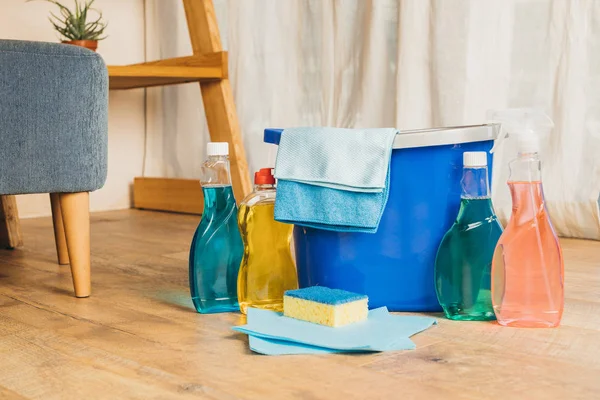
(524, 124)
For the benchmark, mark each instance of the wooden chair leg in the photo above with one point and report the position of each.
(59, 230)
(10, 228)
(76, 219)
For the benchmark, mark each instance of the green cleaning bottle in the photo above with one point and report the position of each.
(464, 260)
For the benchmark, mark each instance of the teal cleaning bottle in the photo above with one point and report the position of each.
(464, 259)
(217, 249)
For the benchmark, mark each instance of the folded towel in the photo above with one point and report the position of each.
(272, 347)
(272, 333)
(332, 178)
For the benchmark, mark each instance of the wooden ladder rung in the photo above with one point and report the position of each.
(196, 68)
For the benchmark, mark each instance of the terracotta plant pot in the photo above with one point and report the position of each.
(88, 44)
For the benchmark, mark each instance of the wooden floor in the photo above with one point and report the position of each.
(139, 337)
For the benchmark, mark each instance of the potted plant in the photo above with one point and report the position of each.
(74, 27)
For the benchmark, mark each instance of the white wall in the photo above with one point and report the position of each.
(125, 45)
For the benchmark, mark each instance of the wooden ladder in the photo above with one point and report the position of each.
(208, 66)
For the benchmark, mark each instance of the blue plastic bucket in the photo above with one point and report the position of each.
(395, 266)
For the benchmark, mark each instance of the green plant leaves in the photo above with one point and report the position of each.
(74, 25)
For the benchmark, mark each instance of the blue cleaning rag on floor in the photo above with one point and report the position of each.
(271, 333)
(333, 178)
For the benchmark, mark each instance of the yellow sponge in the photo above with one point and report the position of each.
(321, 305)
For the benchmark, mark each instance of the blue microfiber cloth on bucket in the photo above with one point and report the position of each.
(272, 333)
(333, 178)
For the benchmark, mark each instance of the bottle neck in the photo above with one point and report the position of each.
(263, 187)
(526, 168)
(216, 171)
(475, 183)
(527, 200)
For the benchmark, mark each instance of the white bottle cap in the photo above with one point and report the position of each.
(528, 144)
(217, 149)
(475, 159)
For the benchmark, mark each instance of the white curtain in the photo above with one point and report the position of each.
(403, 63)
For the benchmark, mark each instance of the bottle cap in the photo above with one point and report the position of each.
(217, 149)
(264, 176)
(475, 159)
(528, 144)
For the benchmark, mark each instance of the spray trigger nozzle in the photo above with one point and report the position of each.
(525, 124)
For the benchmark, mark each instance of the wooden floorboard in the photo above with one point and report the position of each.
(139, 337)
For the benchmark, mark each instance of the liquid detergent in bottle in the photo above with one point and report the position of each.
(267, 268)
(216, 249)
(464, 259)
(528, 270)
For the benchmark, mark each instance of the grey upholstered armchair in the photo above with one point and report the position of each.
(53, 138)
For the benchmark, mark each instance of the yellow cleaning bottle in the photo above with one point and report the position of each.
(267, 269)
